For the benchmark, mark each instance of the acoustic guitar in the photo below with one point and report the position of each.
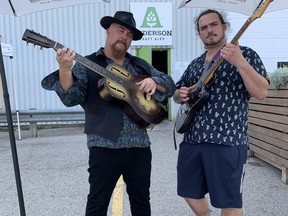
(117, 82)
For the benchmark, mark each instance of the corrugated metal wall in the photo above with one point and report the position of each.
(78, 28)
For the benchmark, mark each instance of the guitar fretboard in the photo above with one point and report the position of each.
(93, 66)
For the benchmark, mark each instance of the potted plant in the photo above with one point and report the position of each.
(279, 78)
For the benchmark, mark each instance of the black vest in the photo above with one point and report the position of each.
(105, 118)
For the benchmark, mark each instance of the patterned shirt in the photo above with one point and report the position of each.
(224, 118)
(131, 135)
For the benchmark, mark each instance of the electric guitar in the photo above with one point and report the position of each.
(200, 94)
(117, 83)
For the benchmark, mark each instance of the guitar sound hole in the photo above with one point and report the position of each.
(147, 97)
(117, 90)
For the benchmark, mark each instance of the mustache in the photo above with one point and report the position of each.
(211, 35)
(121, 41)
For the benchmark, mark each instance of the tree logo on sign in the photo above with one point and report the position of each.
(151, 19)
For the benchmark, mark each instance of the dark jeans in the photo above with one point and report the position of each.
(105, 168)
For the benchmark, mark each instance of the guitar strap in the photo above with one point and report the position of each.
(209, 79)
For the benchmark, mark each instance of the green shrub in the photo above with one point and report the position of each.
(279, 77)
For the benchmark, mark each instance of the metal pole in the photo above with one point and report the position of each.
(11, 135)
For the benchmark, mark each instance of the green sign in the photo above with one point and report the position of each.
(151, 19)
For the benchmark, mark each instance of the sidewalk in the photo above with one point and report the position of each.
(54, 177)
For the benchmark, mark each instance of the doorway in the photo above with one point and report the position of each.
(160, 62)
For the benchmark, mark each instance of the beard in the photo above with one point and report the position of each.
(117, 51)
(213, 43)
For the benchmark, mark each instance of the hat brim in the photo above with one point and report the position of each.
(107, 21)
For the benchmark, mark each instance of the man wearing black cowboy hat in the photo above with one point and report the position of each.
(118, 142)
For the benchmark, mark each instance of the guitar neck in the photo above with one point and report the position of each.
(93, 66)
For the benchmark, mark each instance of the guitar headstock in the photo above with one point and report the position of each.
(260, 9)
(37, 39)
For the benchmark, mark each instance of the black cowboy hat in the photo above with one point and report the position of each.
(123, 18)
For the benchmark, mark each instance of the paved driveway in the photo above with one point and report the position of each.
(54, 175)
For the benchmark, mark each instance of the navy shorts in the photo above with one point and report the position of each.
(215, 169)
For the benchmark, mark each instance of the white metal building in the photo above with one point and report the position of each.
(78, 28)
